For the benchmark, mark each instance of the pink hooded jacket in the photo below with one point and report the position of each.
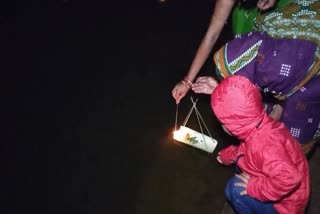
(269, 154)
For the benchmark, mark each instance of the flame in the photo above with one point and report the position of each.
(177, 134)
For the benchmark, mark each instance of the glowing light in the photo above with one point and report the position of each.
(162, 2)
(195, 139)
(176, 134)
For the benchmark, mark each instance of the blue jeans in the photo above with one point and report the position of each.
(245, 204)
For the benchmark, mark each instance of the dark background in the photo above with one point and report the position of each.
(88, 112)
(88, 97)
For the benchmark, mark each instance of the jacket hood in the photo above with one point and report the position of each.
(238, 105)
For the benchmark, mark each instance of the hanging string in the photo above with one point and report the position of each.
(175, 126)
(190, 112)
(200, 119)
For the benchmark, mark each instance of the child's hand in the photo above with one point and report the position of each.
(245, 178)
(219, 159)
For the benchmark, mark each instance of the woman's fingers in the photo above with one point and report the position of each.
(204, 79)
(266, 4)
(202, 88)
(202, 85)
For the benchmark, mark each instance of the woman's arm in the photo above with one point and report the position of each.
(219, 17)
(221, 13)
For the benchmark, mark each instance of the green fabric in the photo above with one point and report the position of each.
(243, 19)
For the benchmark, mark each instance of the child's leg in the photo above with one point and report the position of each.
(245, 204)
(301, 112)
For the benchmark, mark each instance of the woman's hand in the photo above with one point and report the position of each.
(204, 85)
(266, 4)
(245, 178)
(276, 112)
(179, 91)
(219, 17)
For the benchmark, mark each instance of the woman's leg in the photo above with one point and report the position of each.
(245, 204)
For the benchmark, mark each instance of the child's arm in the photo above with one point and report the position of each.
(281, 178)
(230, 154)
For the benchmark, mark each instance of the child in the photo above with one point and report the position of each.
(274, 174)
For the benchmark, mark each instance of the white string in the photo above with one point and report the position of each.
(200, 119)
(197, 111)
(190, 112)
(175, 126)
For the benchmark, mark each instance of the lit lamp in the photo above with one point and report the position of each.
(195, 139)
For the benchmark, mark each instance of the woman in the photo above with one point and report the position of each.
(278, 67)
(288, 68)
(242, 23)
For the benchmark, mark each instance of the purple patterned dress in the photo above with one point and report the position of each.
(285, 68)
